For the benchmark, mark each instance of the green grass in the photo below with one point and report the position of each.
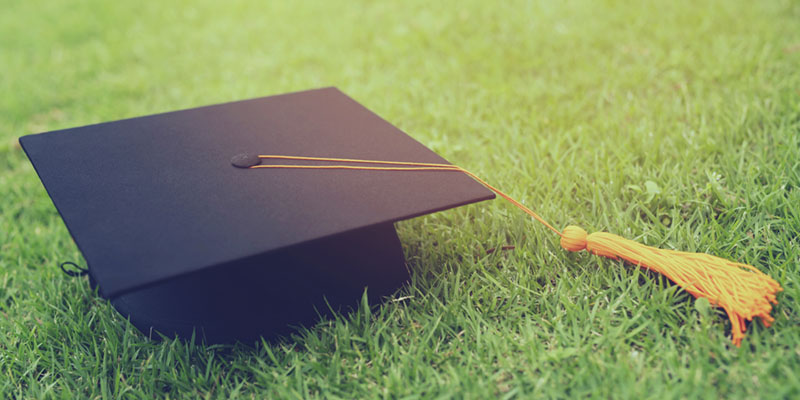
(672, 123)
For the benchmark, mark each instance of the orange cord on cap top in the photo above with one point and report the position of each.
(741, 290)
(420, 166)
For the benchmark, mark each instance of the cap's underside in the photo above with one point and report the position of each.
(267, 296)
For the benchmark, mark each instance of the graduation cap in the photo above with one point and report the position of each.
(179, 238)
(245, 218)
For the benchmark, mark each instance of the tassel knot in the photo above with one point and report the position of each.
(573, 238)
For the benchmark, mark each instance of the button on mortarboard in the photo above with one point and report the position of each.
(147, 224)
(245, 160)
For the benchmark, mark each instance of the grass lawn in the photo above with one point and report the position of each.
(676, 124)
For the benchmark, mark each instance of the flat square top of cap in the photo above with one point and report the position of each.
(156, 197)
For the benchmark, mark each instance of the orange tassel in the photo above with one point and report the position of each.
(741, 290)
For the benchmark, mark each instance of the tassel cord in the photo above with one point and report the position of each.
(409, 166)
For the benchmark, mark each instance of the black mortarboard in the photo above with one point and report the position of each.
(178, 238)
